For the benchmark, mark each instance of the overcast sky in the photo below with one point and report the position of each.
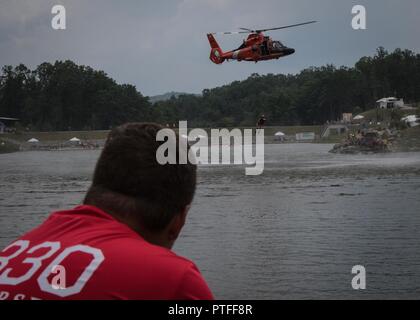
(161, 46)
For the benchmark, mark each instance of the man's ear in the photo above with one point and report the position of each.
(177, 223)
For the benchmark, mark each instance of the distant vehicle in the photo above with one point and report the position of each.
(411, 120)
(255, 48)
(389, 103)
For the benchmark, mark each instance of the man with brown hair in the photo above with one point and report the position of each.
(117, 244)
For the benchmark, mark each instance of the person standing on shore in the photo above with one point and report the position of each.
(117, 245)
(261, 122)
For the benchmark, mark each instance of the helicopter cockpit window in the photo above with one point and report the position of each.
(277, 45)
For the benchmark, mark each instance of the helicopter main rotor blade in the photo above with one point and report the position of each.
(285, 27)
(247, 30)
(230, 32)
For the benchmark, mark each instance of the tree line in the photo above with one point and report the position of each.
(65, 96)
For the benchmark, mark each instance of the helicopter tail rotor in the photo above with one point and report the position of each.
(216, 53)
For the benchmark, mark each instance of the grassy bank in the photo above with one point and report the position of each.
(59, 136)
(54, 136)
(409, 139)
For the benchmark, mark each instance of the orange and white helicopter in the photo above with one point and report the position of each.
(256, 47)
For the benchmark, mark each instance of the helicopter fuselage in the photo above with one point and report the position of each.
(256, 47)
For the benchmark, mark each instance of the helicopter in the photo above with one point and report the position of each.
(257, 47)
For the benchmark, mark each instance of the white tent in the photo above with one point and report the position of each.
(33, 140)
(279, 136)
(200, 136)
(358, 117)
(74, 139)
(189, 138)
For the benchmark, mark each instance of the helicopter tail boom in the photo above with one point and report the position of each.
(216, 53)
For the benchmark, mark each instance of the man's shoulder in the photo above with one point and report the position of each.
(158, 271)
(138, 251)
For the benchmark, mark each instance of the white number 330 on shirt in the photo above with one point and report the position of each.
(36, 263)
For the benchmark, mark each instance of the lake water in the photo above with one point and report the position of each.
(296, 231)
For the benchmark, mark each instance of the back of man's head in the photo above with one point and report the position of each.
(128, 180)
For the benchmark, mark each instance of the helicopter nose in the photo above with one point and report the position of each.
(289, 51)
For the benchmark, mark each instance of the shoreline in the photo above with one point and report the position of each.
(407, 141)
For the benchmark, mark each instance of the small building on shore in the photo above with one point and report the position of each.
(347, 117)
(6, 124)
(389, 103)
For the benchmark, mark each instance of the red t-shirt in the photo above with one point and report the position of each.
(85, 253)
